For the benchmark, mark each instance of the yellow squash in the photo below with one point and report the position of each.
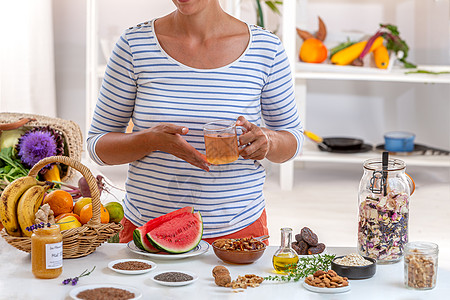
(381, 57)
(53, 174)
(349, 54)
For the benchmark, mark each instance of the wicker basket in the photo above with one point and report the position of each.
(80, 241)
(69, 129)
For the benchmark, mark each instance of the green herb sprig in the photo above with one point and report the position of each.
(427, 72)
(304, 267)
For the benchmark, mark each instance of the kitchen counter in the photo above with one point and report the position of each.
(17, 281)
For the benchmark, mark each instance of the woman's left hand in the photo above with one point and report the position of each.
(255, 143)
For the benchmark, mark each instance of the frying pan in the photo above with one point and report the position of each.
(337, 144)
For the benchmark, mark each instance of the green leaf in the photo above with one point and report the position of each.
(407, 65)
(11, 166)
(273, 6)
(392, 28)
(259, 14)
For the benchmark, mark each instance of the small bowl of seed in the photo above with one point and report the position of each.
(239, 251)
(174, 278)
(354, 266)
(131, 266)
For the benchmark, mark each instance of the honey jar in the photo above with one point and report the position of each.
(47, 252)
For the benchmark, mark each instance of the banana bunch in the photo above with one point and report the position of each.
(19, 203)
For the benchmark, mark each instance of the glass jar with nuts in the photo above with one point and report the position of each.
(421, 264)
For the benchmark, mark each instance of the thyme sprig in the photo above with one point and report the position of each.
(304, 267)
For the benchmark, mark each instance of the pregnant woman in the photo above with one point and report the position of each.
(172, 75)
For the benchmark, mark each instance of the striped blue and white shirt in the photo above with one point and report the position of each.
(144, 83)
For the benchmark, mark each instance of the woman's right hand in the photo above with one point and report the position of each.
(168, 138)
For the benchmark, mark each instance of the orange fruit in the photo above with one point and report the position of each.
(68, 223)
(313, 51)
(60, 202)
(80, 204)
(59, 217)
(86, 214)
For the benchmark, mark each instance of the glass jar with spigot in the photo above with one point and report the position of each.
(384, 195)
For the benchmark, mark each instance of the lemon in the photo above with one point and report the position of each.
(115, 210)
(80, 204)
(68, 223)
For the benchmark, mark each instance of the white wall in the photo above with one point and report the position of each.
(363, 109)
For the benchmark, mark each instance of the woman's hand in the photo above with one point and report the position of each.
(119, 148)
(259, 143)
(255, 143)
(168, 138)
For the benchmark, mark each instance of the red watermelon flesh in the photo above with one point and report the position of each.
(180, 234)
(139, 233)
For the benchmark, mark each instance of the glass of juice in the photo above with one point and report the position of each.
(221, 142)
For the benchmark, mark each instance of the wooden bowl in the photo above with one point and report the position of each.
(239, 257)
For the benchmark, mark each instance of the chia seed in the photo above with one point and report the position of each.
(173, 277)
(132, 265)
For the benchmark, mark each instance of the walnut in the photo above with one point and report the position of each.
(221, 275)
(222, 280)
(219, 270)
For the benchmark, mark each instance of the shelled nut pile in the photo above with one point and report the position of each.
(328, 279)
(420, 270)
(244, 244)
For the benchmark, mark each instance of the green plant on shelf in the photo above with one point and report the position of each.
(273, 5)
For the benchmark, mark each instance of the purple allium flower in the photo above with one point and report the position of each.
(34, 146)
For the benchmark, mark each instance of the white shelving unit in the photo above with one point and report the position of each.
(294, 13)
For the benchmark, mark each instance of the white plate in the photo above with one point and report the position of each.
(180, 283)
(201, 248)
(326, 290)
(74, 292)
(131, 272)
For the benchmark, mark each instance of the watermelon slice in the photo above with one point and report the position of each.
(180, 234)
(139, 233)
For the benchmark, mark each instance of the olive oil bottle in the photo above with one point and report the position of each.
(285, 255)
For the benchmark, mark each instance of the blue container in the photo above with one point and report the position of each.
(399, 141)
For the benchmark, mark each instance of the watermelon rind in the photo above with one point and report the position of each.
(171, 237)
(141, 241)
(139, 234)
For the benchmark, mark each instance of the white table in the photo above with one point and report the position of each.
(17, 281)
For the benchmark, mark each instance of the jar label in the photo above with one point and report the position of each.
(53, 255)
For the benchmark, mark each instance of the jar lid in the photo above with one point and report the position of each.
(376, 164)
(422, 247)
